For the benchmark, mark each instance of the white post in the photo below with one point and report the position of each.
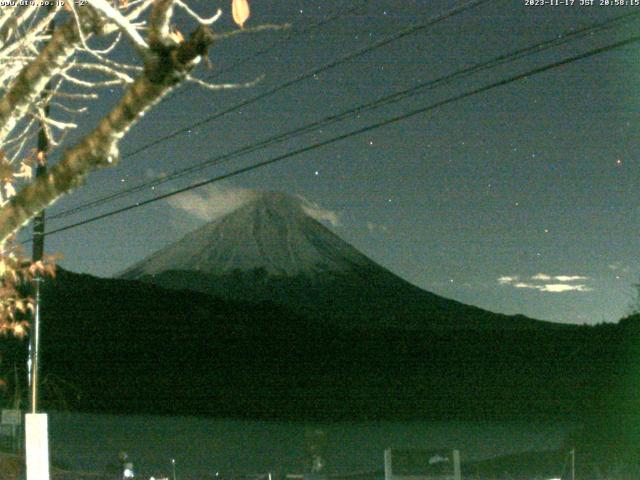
(573, 464)
(388, 467)
(37, 446)
(457, 475)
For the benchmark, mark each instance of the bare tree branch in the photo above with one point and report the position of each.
(223, 86)
(125, 25)
(198, 18)
(160, 23)
(36, 62)
(32, 80)
(167, 66)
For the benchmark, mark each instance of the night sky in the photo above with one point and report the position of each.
(521, 199)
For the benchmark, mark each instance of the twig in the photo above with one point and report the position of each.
(125, 25)
(198, 18)
(223, 86)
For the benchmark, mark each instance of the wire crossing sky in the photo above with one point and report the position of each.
(360, 131)
(315, 72)
(406, 93)
(518, 199)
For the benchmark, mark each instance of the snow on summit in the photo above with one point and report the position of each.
(273, 231)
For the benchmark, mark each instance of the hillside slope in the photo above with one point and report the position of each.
(126, 346)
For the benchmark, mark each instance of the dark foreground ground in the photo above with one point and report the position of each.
(126, 347)
(524, 466)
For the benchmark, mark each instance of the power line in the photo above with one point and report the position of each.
(356, 132)
(350, 56)
(334, 63)
(385, 100)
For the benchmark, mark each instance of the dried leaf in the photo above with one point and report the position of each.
(240, 11)
(50, 270)
(25, 172)
(176, 36)
(19, 330)
(9, 190)
(37, 267)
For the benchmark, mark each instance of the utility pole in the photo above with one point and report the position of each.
(36, 424)
(573, 464)
(38, 250)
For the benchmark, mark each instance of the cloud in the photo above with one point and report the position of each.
(564, 287)
(214, 201)
(560, 278)
(570, 278)
(211, 202)
(373, 227)
(553, 287)
(543, 282)
(541, 276)
(321, 214)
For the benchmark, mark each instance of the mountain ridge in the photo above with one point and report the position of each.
(128, 346)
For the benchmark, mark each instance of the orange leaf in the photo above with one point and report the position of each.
(19, 330)
(50, 270)
(36, 267)
(176, 36)
(20, 306)
(240, 11)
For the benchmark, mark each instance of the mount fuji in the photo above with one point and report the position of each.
(266, 313)
(272, 249)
